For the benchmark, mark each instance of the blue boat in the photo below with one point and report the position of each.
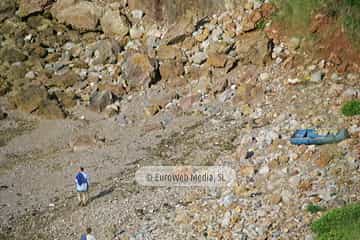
(310, 137)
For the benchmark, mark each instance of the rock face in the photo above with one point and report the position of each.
(171, 10)
(28, 7)
(114, 24)
(138, 70)
(82, 15)
(7, 9)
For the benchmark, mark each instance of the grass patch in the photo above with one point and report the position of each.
(351, 108)
(312, 208)
(339, 224)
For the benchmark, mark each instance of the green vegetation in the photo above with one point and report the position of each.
(339, 224)
(351, 108)
(312, 208)
(261, 25)
(297, 14)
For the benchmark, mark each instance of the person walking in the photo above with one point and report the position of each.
(82, 187)
(87, 235)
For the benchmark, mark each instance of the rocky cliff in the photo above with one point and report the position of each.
(170, 10)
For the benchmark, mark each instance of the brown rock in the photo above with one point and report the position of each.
(324, 158)
(217, 60)
(68, 100)
(187, 102)
(247, 171)
(305, 186)
(251, 21)
(50, 110)
(218, 48)
(29, 99)
(138, 71)
(7, 9)
(253, 48)
(188, 43)
(176, 82)
(28, 7)
(267, 9)
(12, 54)
(82, 15)
(169, 70)
(162, 99)
(168, 52)
(83, 142)
(275, 199)
(180, 30)
(220, 85)
(66, 80)
(152, 110)
(116, 89)
(203, 35)
(114, 24)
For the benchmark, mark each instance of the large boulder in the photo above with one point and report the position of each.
(50, 109)
(81, 15)
(28, 7)
(29, 99)
(12, 54)
(7, 9)
(253, 48)
(138, 71)
(114, 24)
(103, 51)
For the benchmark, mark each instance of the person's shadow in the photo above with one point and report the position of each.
(103, 193)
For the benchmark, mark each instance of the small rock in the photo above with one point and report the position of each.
(294, 43)
(152, 110)
(83, 142)
(30, 75)
(264, 76)
(317, 76)
(294, 81)
(335, 77)
(199, 58)
(216, 60)
(247, 171)
(137, 14)
(3, 114)
(99, 100)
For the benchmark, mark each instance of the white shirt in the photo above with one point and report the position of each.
(90, 237)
